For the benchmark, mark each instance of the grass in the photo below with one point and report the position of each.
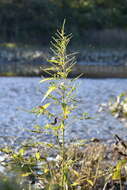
(92, 166)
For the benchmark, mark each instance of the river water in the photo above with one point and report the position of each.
(19, 94)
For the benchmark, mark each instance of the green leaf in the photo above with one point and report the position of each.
(46, 106)
(66, 109)
(37, 155)
(41, 109)
(55, 61)
(48, 126)
(75, 172)
(46, 79)
(37, 127)
(117, 173)
(26, 174)
(50, 90)
(6, 150)
(50, 145)
(75, 184)
(37, 131)
(90, 182)
(21, 151)
(56, 128)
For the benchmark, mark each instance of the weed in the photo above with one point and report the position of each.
(57, 165)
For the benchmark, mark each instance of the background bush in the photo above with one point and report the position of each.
(33, 21)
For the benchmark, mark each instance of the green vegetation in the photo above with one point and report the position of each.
(58, 165)
(24, 21)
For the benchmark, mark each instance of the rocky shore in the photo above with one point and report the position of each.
(21, 94)
(90, 62)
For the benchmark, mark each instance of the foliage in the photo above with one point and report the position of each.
(89, 166)
(17, 24)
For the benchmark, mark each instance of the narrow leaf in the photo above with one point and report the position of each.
(90, 182)
(21, 151)
(51, 89)
(46, 79)
(37, 155)
(26, 174)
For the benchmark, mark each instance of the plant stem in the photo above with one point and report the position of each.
(63, 154)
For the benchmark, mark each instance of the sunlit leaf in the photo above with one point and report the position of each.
(46, 79)
(50, 145)
(15, 156)
(117, 172)
(76, 173)
(41, 109)
(62, 125)
(26, 174)
(51, 69)
(50, 90)
(21, 151)
(6, 150)
(75, 184)
(56, 128)
(90, 182)
(46, 106)
(37, 127)
(55, 61)
(48, 126)
(66, 110)
(37, 131)
(37, 155)
(46, 170)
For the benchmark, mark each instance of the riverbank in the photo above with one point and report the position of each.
(92, 165)
(96, 63)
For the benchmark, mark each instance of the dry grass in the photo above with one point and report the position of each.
(89, 166)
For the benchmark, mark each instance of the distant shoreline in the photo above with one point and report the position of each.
(86, 71)
(93, 63)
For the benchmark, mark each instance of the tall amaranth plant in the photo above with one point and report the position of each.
(60, 94)
(57, 105)
(56, 165)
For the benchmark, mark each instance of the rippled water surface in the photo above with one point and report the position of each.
(17, 94)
